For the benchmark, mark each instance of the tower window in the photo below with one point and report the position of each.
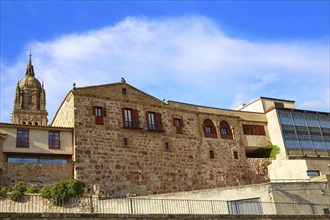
(22, 138)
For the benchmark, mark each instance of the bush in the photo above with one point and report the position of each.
(3, 191)
(18, 192)
(269, 151)
(59, 193)
(32, 189)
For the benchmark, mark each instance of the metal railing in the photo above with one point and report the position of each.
(36, 204)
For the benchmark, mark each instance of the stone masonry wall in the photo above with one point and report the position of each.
(65, 114)
(145, 166)
(36, 173)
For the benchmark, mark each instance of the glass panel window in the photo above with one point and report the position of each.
(22, 159)
(178, 125)
(128, 118)
(291, 141)
(22, 138)
(285, 117)
(54, 139)
(305, 142)
(298, 118)
(311, 120)
(324, 121)
(151, 121)
(99, 113)
(313, 173)
(208, 130)
(54, 159)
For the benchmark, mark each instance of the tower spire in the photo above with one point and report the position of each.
(30, 59)
(29, 68)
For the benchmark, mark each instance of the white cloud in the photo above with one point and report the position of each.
(322, 103)
(186, 59)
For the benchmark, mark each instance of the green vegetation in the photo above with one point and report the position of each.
(268, 151)
(3, 191)
(18, 192)
(32, 189)
(59, 193)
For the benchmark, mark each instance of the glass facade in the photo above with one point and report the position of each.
(37, 159)
(305, 133)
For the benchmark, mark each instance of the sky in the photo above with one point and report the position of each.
(212, 53)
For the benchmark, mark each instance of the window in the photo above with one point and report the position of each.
(209, 129)
(22, 159)
(123, 91)
(17, 158)
(211, 154)
(125, 141)
(254, 129)
(279, 105)
(167, 146)
(54, 139)
(99, 113)
(131, 118)
(22, 138)
(154, 121)
(235, 153)
(225, 130)
(245, 206)
(178, 125)
(313, 173)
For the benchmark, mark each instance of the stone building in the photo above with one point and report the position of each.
(127, 141)
(30, 100)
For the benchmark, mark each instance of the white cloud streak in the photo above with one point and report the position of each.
(183, 59)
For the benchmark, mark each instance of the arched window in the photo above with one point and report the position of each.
(209, 129)
(225, 130)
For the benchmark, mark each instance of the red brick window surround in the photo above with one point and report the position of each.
(254, 130)
(154, 121)
(54, 140)
(130, 118)
(99, 113)
(225, 130)
(209, 129)
(22, 139)
(178, 125)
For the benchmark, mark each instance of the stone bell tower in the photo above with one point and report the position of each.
(30, 100)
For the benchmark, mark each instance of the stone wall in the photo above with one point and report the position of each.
(34, 173)
(145, 166)
(65, 114)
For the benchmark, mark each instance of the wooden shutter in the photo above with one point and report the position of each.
(261, 130)
(123, 116)
(93, 110)
(135, 118)
(158, 121)
(104, 112)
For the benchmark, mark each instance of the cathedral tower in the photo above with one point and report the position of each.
(30, 100)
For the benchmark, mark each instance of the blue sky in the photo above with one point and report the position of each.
(213, 53)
